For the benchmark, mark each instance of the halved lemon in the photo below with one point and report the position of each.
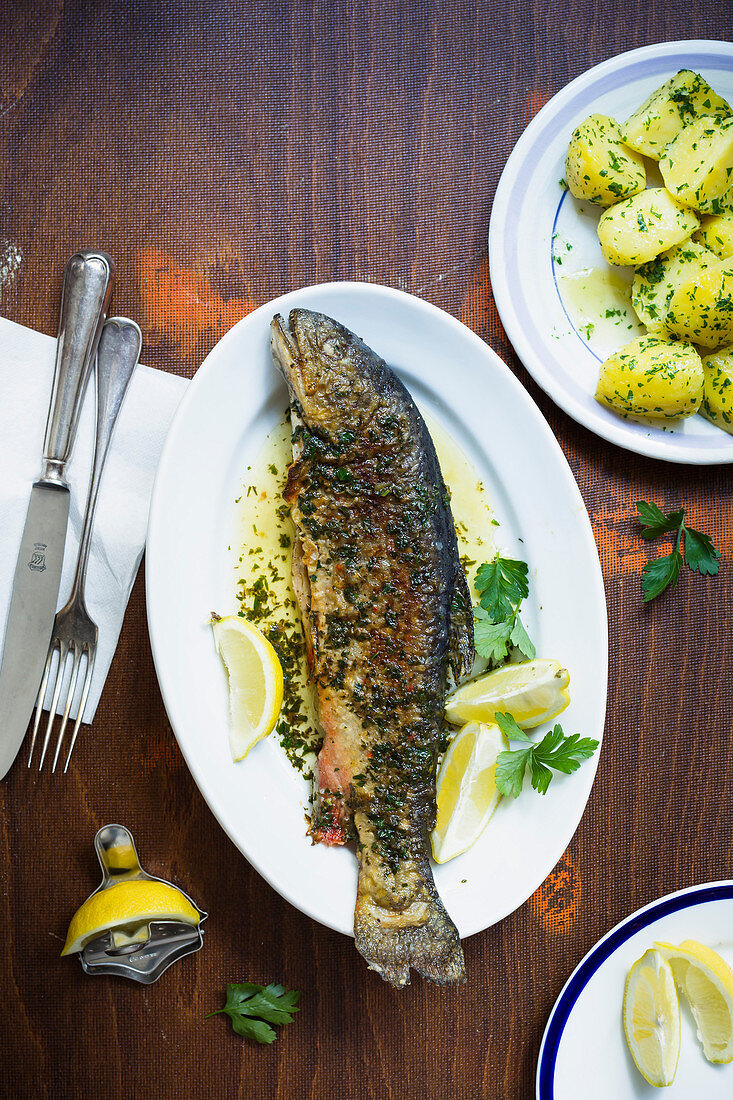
(707, 982)
(532, 692)
(651, 1014)
(132, 903)
(255, 681)
(466, 789)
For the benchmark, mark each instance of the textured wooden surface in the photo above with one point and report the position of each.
(224, 153)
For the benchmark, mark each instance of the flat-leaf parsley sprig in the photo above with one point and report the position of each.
(660, 573)
(555, 751)
(252, 1008)
(502, 585)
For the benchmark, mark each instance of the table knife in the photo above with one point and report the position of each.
(84, 300)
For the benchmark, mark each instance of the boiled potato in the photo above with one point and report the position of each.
(717, 402)
(599, 167)
(701, 308)
(660, 118)
(655, 282)
(697, 167)
(716, 233)
(653, 378)
(639, 228)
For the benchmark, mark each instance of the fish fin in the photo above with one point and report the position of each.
(461, 650)
(391, 945)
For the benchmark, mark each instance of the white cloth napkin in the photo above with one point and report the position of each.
(26, 373)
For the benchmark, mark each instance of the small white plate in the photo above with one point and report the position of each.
(533, 217)
(236, 397)
(584, 1039)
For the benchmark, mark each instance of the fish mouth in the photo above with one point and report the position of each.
(286, 355)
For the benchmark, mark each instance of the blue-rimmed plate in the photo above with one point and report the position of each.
(584, 1052)
(540, 237)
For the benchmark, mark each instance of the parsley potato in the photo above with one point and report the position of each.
(716, 233)
(599, 167)
(656, 281)
(640, 228)
(697, 167)
(682, 98)
(701, 308)
(652, 378)
(717, 403)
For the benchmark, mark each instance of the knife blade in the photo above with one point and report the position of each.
(87, 288)
(28, 633)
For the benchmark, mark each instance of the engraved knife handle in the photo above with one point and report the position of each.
(84, 300)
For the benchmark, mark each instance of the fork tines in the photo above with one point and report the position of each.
(79, 653)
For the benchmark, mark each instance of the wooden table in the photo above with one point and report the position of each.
(225, 153)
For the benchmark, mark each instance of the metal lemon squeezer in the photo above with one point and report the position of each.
(140, 951)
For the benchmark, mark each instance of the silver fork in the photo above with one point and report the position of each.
(74, 631)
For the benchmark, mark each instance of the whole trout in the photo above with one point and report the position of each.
(386, 610)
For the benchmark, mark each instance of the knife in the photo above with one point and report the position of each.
(84, 300)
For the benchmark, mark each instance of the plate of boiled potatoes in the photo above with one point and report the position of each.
(611, 250)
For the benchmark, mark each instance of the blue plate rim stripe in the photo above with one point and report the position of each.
(591, 963)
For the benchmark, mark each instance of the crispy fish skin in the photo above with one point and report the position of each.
(386, 610)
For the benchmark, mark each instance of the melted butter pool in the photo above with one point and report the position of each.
(598, 303)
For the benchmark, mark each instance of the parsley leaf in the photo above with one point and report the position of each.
(520, 639)
(555, 751)
(252, 1008)
(661, 573)
(510, 728)
(654, 522)
(502, 585)
(700, 554)
(510, 769)
(492, 640)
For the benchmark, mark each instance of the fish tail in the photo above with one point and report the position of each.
(422, 937)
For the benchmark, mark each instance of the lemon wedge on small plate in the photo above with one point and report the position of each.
(533, 692)
(707, 982)
(466, 789)
(651, 1013)
(255, 681)
(124, 908)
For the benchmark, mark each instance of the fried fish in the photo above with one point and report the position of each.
(386, 612)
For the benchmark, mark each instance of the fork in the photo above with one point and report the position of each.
(74, 631)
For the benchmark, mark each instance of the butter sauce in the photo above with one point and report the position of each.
(598, 303)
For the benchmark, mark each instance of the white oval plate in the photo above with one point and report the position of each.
(234, 400)
(531, 211)
(584, 1039)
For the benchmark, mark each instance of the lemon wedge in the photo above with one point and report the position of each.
(532, 692)
(651, 1014)
(707, 982)
(466, 789)
(255, 681)
(132, 903)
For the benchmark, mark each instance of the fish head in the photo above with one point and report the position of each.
(330, 373)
